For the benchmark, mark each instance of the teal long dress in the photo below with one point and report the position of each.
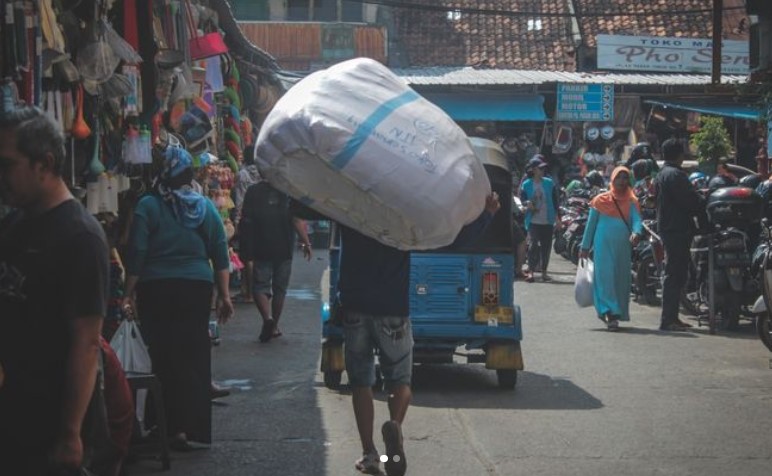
(610, 239)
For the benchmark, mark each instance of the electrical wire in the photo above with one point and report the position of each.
(507, 13)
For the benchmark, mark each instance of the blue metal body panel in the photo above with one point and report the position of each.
(444, 290)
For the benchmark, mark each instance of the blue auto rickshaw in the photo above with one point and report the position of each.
(461, 300)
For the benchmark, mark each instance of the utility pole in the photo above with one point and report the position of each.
(718, 17)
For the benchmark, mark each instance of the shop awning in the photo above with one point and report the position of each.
(465, 106)
(736, 111)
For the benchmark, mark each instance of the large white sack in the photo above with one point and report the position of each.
(356, 144)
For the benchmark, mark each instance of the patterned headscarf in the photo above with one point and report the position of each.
(189, 207)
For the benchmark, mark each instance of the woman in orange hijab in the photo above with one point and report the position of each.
(614, 224)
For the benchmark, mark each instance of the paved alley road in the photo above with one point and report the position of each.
(637, 402)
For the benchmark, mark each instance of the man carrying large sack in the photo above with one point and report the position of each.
(373, 292)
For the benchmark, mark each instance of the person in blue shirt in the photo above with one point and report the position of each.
(177, 250)
(540, 197)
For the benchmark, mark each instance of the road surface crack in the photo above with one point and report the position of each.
(461, 422)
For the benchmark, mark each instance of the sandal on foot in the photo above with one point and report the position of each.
(267, 332)
(396, 465)
(369, 463)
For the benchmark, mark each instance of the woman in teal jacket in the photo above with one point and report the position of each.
(177, 250)
(540, 197)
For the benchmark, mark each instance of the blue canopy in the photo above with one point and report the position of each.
(750, 112)
(470, 106)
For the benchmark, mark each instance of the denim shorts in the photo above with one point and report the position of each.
(393, 338)
(271, 277)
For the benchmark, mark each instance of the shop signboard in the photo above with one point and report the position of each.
(585, 102)
(670, 54)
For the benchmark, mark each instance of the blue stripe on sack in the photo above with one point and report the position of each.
(368, 126)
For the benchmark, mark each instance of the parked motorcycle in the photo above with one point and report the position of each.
(648, 265)
(732, 213)
(762, 268)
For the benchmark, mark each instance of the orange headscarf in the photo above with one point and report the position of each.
(604, 202)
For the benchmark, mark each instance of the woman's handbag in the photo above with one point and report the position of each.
(583, 292)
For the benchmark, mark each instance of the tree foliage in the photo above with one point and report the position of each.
(712, 141)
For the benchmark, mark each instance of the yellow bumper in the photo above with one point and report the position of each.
(504, 356)
(332, 357)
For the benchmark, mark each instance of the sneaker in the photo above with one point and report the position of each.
(369, 463)
(396, 465)
(612, 324)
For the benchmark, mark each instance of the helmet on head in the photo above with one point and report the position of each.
(595, 179)
(572, 186)
(699, 180)
(750, 181)
(642, 150)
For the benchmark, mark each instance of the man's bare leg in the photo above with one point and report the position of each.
(263, 303)
(364, 411)
(399, 401)
(277, 306)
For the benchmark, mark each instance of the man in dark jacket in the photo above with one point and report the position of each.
(677, 204)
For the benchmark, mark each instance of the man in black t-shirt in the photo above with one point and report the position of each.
(373, 292)
(53, 293)
(268, 241)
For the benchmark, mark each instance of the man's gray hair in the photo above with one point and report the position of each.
(36, 135)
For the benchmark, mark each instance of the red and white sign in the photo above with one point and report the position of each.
(672, 55)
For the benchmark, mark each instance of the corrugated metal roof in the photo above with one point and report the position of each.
(467, 76)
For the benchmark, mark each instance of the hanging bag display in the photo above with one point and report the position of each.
(211, 44)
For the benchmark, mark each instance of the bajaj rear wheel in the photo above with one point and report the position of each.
(332, 379)
(507, 378)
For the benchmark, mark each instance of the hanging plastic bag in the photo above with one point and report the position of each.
(132, 352)
(583, 291)
(130, 348)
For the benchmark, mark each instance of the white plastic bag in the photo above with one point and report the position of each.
(130, 348)
(132, 352)
(583, 292)
(356, 144)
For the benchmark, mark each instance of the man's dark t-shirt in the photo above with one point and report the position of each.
(266, 225)
(54, 267)
(374, 278)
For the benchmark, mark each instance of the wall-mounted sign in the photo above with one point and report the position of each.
(585, 102)
(682, 55)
